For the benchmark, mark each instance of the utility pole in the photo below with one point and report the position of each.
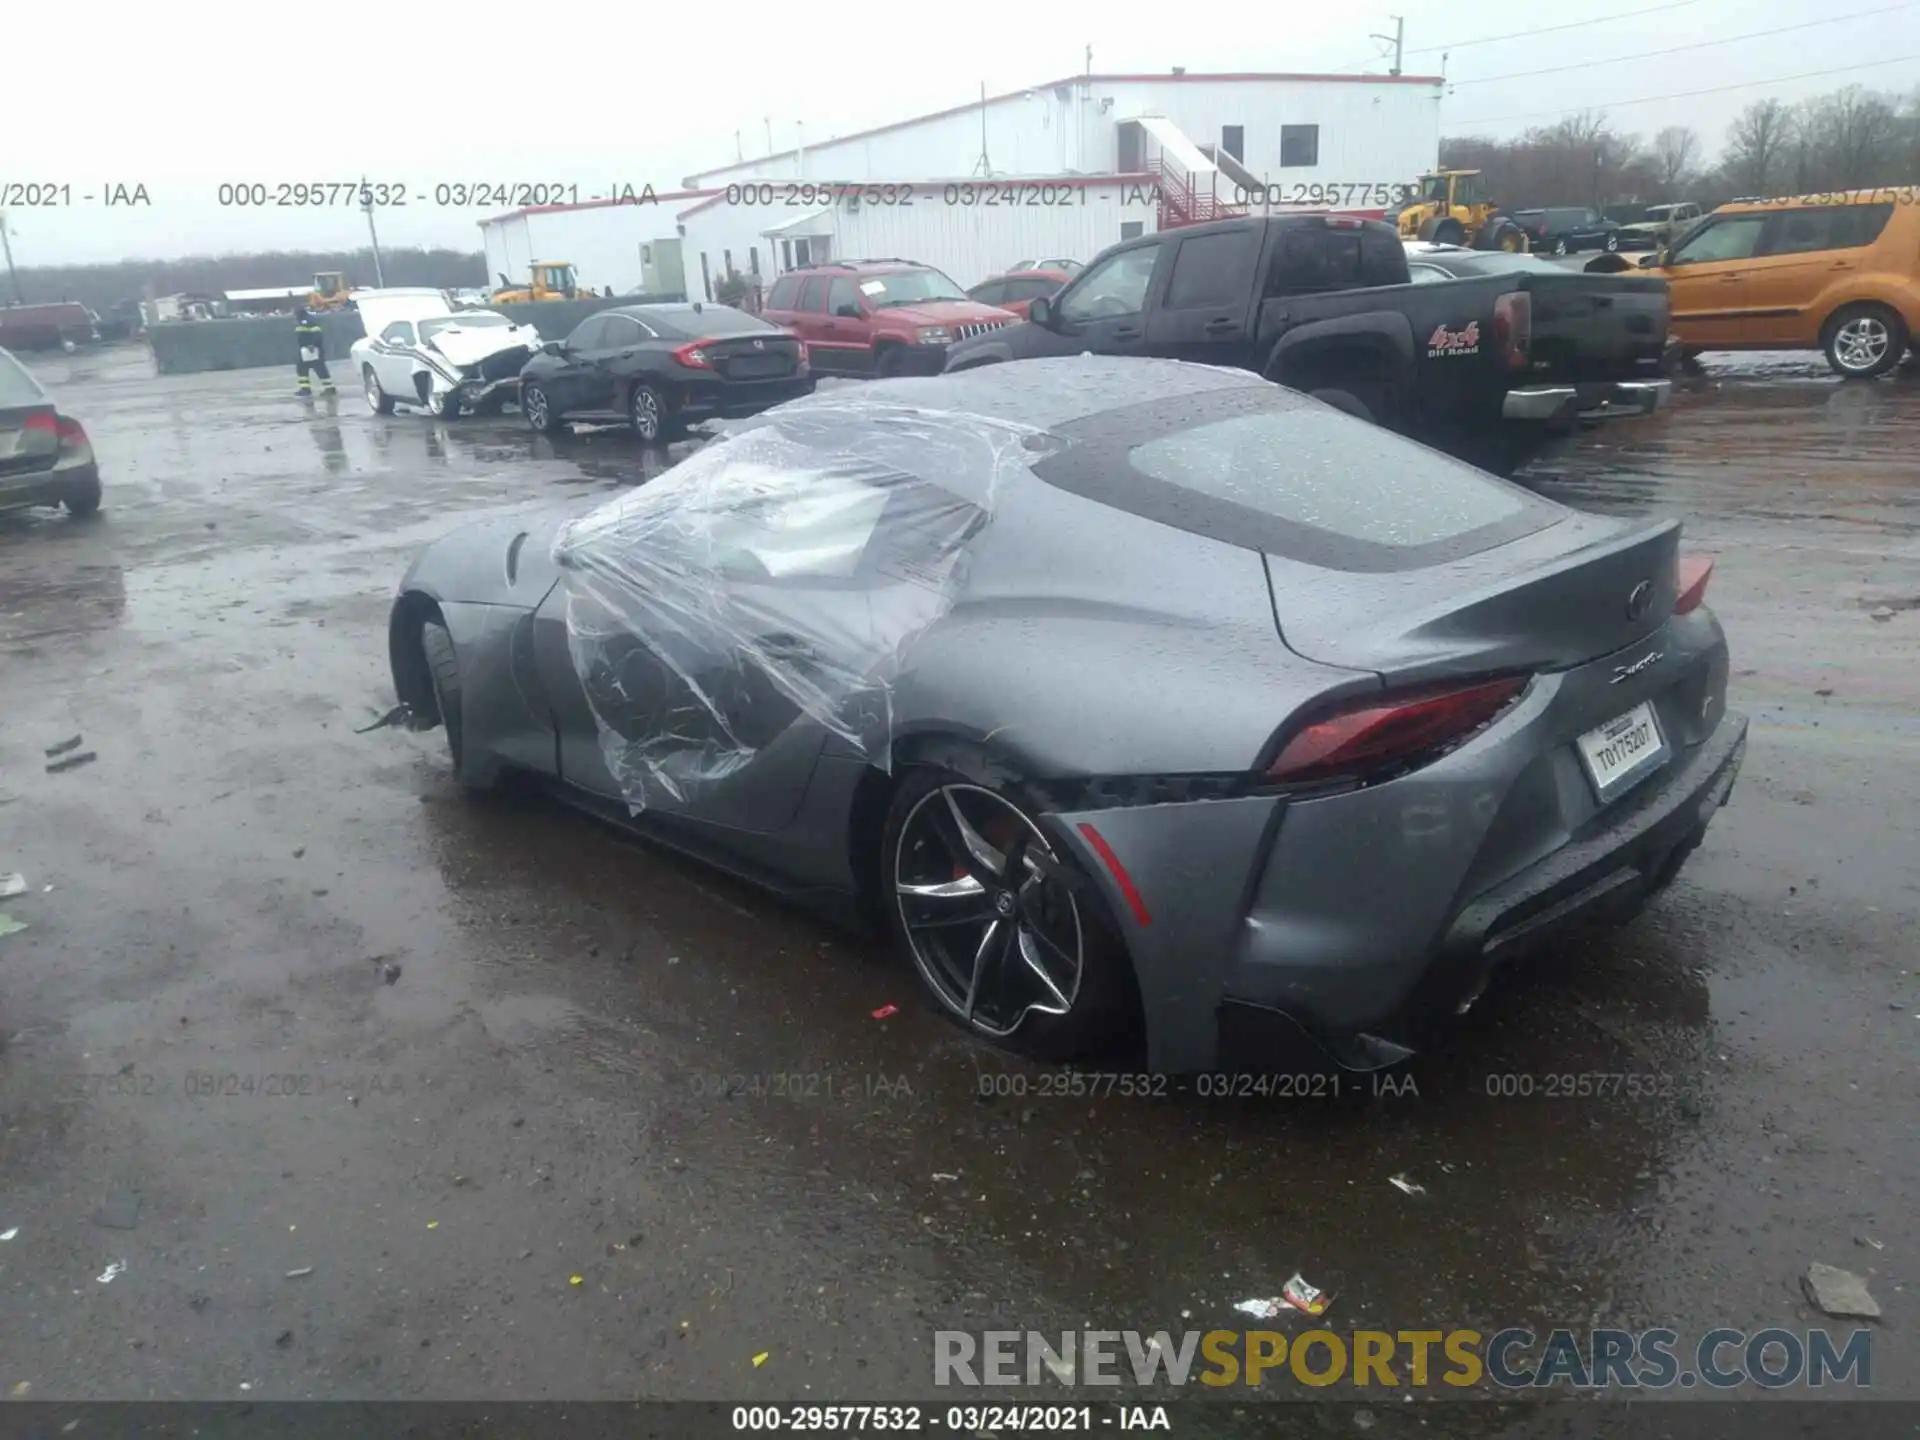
(366, 204)
(1398, 38)
(985, 167)
(7, 245)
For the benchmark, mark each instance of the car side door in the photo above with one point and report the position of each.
(393, 361)
(568, 382)
(1206, 308)
(1802, 253)
(1709, 282)
(616, 361)
(848, 325)
(1106, 308)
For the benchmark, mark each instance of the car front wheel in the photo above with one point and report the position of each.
(538, 409)
(1003, 931)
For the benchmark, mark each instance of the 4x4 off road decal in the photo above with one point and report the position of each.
(1454, 342)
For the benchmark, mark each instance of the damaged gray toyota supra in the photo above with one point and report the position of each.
(1142, 702)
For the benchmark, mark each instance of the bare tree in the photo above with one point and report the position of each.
(1755, 142)
(1674, 151)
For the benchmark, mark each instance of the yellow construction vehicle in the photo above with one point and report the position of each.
(552, 280)
(1453, 209)
(330, 292)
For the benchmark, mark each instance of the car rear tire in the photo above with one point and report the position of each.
(649, 416)
(443, 669)
(1864, 340)
(539, 411)
(1613, 244)
(1361, 402)
(83, 500)
(1560, 246)
(378, 401)
(986, 910)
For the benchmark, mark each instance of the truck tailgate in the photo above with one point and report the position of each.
(1596, 327)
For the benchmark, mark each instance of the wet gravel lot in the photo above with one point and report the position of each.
(479, 1048)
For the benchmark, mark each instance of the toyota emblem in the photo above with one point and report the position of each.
(1640, 600)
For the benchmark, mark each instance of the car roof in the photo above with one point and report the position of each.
(1060, 389)
(1036, 271)
(1884, 195)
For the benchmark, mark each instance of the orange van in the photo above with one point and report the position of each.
(1839, 273)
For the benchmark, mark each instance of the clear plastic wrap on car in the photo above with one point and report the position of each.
(777, 576)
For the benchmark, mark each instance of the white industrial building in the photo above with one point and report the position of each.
(1061, 169)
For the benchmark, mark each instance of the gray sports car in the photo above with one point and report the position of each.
(1133, 697)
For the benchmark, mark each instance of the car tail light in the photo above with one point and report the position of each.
(1695, 571)
(806, 357)
(1513, 327)
(72, 434)
(693, 357)
(1344, 222)
(41, 421)
(1383, 731)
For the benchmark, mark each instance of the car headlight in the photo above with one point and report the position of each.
(935, 335)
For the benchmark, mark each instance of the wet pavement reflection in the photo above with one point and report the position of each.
(538, 1049)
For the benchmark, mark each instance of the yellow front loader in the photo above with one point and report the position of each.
(1453, 209)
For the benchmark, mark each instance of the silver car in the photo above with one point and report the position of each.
(1136, 699)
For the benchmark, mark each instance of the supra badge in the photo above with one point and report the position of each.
(1627, 672)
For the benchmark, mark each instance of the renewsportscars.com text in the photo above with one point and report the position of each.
(1511, 1359)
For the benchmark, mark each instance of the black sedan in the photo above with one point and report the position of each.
(662, 368)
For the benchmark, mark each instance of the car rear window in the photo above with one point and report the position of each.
(1267, 469)
(17, 386)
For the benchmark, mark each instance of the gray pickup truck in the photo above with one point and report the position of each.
(1484, 354)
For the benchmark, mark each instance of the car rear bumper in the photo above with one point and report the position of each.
(1602, 400)
(740, 398)
(48, 487)
(1358, 918)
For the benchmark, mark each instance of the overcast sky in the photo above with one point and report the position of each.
(182, 97)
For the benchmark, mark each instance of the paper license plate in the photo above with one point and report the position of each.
(1622, 750)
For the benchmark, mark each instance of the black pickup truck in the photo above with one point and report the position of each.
(1487, 361)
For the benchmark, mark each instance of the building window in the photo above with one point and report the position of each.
(1233, 140)
(706, 276)
(753, 260)
(1132, 229)
(646, 254)
(786, 254)
(1299, 146)
(727, 255)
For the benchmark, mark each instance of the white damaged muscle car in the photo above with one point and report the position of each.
(419, 350)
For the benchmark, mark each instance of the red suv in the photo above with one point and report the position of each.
(877, 317)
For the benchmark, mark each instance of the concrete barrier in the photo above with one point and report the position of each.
(185, 347)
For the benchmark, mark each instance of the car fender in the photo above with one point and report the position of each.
(1904, 300)
(1386, 333)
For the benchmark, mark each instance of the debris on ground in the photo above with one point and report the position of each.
(72, 762)
(943, 1175)
(12, 885)
(760, 1359)
(9, 925)
(1866, 1240)
(1884, 612)
(399, 715)
(1259, 1309)
(64, 746)
(21, 1389)
(112, 1272)
(390, 972)
(118, 1211)
(283, 1339)
(9, 1234)
(1405, 1186)
(302, 1271)
(1839, 1292)
(1302, 1296)
(885, 1010)
(576, 1280)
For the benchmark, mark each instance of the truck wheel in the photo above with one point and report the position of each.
(1863, 341)
(1352, 403)
(1443, 230)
